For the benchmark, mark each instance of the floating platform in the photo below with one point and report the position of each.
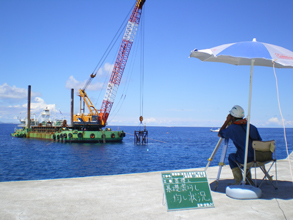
(70, 135)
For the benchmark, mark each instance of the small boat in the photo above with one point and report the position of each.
(215, 130)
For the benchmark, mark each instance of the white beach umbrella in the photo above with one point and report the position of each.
(251, 53)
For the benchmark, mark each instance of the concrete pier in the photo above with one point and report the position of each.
(138, 196)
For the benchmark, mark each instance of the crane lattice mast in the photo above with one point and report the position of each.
(121, 61)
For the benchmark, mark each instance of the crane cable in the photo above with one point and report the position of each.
(109, 49)
(142, 71)
(131, 62)
(125, 88)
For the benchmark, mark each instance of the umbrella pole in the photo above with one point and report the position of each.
(248, 122)
(245, 191)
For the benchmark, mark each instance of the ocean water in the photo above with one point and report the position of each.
(169, 148)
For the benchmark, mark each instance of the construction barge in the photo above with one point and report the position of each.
(69, 134)
(59, 131)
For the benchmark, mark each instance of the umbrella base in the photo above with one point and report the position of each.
(243, 192)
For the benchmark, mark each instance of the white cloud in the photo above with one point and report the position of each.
(108, 68)
(12, 92)
(276, 121)
(11, 99)
(73, 83)
(181, 110)
(150, 120)
(15, 106)
(39, 105)
(14, 113)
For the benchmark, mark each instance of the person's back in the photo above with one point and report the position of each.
(237, 133)
(234, 128)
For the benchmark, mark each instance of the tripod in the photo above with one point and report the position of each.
(222, 159)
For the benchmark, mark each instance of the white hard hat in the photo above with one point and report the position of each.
(237, 111)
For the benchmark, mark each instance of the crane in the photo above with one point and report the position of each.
(121, 60)
(96, 118)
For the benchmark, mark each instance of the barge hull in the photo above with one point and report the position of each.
(67, 135)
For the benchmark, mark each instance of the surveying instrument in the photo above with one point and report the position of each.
(222, 159)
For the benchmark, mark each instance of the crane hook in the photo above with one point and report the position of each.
(140, 119)
(93, 75)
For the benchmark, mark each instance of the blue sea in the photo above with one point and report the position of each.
(168, 148)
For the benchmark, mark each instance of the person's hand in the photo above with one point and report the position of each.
(226, 123)
(229, 118)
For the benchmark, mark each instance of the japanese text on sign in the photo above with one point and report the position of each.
(187, 190)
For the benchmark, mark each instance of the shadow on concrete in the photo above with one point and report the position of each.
(284, 191)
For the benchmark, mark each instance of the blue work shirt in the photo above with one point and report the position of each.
(237, 133)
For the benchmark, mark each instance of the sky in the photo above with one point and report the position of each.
(55, 45)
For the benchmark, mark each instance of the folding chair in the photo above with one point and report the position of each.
(264, 154)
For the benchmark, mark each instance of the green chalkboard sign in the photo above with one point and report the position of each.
(185, 190)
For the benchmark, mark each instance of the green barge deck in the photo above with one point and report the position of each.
(70, 134)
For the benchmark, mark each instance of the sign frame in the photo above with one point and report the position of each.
(186, 190)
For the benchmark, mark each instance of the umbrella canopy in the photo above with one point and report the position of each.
(243, 52)
(247, 53)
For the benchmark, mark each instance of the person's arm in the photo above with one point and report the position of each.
(226, 123)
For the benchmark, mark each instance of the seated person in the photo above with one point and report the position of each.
(234, 128)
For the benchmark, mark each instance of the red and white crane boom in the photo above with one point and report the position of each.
(120, 62)
(97, 118)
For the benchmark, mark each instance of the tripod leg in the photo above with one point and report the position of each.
(222, 160)
(214, 153)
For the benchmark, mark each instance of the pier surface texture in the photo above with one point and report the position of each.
(138, 196)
